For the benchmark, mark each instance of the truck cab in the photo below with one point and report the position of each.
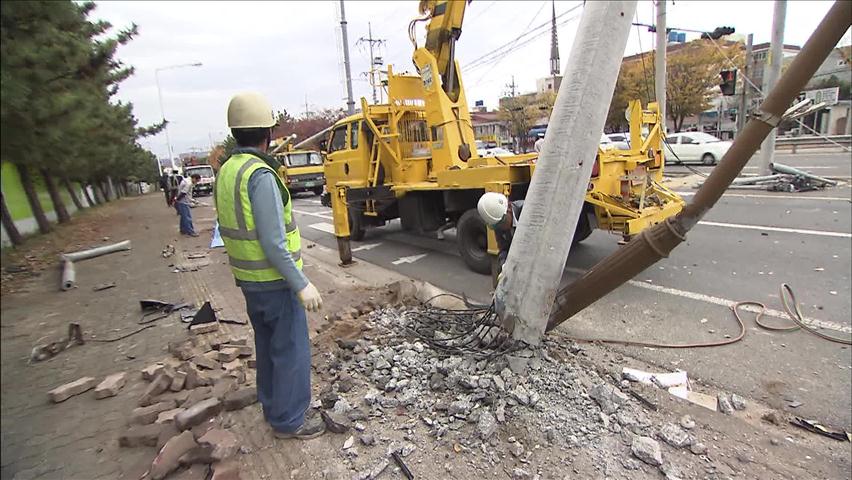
(302, 170)
(205, 184)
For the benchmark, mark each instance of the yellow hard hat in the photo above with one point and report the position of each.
(249, 110)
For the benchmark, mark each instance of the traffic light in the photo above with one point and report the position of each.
(729, 82)
(718, 33)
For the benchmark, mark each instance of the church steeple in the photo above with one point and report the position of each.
(554, 44)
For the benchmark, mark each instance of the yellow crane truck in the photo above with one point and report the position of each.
(414, 158)
(301, 170)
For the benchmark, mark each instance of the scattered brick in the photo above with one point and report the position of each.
(64, 392)
(206, 361)
(225, 443)
(233, 365)
(111, 385)
(202, 454)
(157, 386)
(228, 470)
(196, 414)
(178, 397)
(243, 350)
(168, 459)
(146, 415)
(252, 363)
(183, 350)
(197, 395)
(240, 399)
(202, 328)
(168, 416)
(224, 386)
(178, 382)
(194, 378)
(140, 435)
(151, 371)
(226, 354)
(167, 431)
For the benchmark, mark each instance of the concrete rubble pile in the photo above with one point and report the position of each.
(379, 375)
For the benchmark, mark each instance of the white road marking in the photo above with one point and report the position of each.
(779, 197)
(821, 233)
(802, 167)
(366, 246)
(728, 303)
(411, 259)
(313, 214)
(323, 227)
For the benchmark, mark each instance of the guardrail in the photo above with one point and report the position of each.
(813, 141)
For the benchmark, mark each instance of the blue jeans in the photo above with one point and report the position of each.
(283, 354)
(185, 218)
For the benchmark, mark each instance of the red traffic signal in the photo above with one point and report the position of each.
(729, 82)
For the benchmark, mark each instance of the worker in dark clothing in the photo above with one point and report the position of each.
(500, 215)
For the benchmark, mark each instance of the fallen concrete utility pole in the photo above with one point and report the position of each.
(554, 201)
(781, 168)
(69, 275)
(656, 242)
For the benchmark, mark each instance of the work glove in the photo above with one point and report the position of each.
(310, 298)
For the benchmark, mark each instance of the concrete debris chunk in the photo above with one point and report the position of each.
(168, 416)
(178, 382)
(151, 371)
(336, 422)
(111, 385)
(240, 399)
(367, 440)
(184, 349)
(486, 426)
(242, 350)
(140, 435)
(521, 474)
(648, 450)
(206, 361)
(698, 448)
(724, 404)
(198, 413)
(148, 414)
(687, 422)
(224, 386)
(225, 443)
(227, 354)
(738, 402)
(168, 460)
(64, 392)
(202, 328)
(228, 470)
(674, 436)
(608, 397)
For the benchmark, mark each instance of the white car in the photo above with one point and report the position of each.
(495, 152)
(695, 147)
(620, 140)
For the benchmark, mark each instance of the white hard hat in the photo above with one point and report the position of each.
(249, 110)
(492, 207)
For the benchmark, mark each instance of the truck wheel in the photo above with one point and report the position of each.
(472, 237)
(356, 226)
(317, 190)
(584, 229)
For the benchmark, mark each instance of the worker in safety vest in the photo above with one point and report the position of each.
(500, 215)
(256, 223)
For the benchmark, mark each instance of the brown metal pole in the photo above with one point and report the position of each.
(656, 242)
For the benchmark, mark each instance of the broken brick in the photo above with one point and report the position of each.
(168, 416)
(242, 350)
(224, 386)
(151, 371)
(167, 431)
(157, 386)
(64, 392)
(206, 361)
(197, 395)
(240, 399)
(202, 328)
(196, 414)
(225, 443)
(178, 397)
(233, 365)
(228, 354)
(111, 385)
(227, 470)
(168, 459)
(183, 350)
(202, 454)
(178, 381)
(140, 435)
(194, 378)
(146, 415)
(238, 375)
(251, 363)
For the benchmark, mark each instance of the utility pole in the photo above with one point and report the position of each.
(742, 111)
(350, 101)
(770, 76)
(374, 78)
(660, 61)
(512, 115)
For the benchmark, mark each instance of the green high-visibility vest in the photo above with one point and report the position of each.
(236, 222)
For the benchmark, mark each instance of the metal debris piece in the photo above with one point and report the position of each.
(819, 429)
(103, 286)
(205, 314)
(402, 466)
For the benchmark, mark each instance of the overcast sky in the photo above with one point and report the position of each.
(290, 51)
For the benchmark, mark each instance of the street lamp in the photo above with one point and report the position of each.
(162, 111)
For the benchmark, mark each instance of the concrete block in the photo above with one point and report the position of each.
(198, 413)
(227, 354)
(240, 399)
(64, 392)
(203, 328)
(225, 443)
(140, 435)
(146, 415)
(168, 416)
(168, 459)
(111, 385)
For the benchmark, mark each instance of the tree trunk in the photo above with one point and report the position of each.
(9, 224)
(58, 204)
(32, 196)
(88, 197)
(72, 193)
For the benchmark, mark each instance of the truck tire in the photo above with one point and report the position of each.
(472, 237)
(356, 226)
(584, 229)
(317, 190)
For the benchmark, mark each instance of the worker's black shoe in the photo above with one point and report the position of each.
(312, 428)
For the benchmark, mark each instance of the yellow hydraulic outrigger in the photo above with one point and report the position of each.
(414, 158)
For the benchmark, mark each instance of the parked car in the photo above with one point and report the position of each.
(695, 147)
(620, 140)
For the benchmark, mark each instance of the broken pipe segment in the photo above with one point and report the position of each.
(656, 242)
